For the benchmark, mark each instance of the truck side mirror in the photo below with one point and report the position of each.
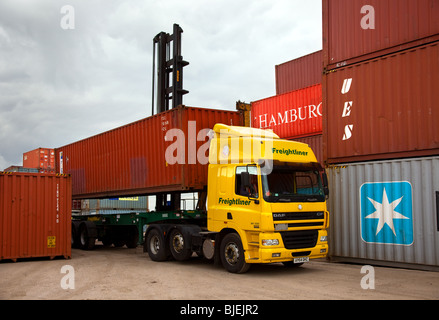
(325, 184)
(246, 183)
(245, 179)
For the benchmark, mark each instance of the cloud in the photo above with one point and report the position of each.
(58, 86)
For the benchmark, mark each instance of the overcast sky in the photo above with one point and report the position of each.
(61, 85)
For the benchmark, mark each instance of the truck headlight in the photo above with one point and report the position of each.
(323, 238)
(270, 242)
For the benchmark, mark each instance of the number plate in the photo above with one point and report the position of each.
(301, 260)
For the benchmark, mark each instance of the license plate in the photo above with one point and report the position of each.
(301, 260)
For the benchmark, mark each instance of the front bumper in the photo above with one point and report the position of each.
(278, 253)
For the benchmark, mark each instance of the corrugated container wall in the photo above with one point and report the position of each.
(114, 205)
(35, 215)
(131, 160)
(20, 169)
(290, 115)
(358, 30)
(384, 108)
(41, 158)
(316, 144)
(299, 73)
(385, 211)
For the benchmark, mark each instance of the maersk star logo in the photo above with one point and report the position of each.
(387, 213)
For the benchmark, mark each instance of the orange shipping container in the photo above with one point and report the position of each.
(299, 73)
(384, 108)
(359, 30)
(131, 160)
(41, 158)
(35, 215)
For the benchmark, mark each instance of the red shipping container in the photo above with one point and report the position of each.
(35, 215)
(131, 160)
(299, 73)
(384, 108)
(290, 115)
(316, 144)
(41, 158)
(358, 30)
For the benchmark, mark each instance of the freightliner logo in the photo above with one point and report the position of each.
(232, 202)
(288, 152)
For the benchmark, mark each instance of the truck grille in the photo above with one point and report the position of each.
(300, 219)
(300, 239)
(284, 216)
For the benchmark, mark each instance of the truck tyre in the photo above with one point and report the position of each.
(133, 238)
(232, 254)
(178, 244)
(75, 236)
(86, 240)
(156, 246)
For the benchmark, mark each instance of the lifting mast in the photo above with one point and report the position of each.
(169, 70)
(169, 87)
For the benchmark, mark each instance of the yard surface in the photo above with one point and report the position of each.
(121, 273)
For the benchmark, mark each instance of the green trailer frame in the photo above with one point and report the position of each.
(126, 228)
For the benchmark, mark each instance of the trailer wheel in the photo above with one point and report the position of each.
(73, 236)
(133, 238)
(86, 241)
(156, 246)
(232, 254)
(177, 244)
(75, 239)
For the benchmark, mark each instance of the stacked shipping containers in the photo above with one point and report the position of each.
(295, 113)
(381, 139)
(42, 159)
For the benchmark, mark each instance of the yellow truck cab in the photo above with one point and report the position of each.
(266, 203)
(266, 199)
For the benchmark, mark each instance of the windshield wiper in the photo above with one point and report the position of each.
(295, 198)
(287, 198)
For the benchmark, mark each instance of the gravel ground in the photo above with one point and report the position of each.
(121, 273)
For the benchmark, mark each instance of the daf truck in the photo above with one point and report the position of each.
(266, 203)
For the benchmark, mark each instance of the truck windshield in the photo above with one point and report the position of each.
(293, 183)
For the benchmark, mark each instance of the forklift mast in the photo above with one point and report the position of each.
(167, 63)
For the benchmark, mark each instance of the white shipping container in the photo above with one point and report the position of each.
(386, 212)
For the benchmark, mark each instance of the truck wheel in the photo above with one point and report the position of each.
(177, 243)
(85, 241)
(133, 238)
(156, 246)
(75, 234)
(74, 237)
(232, 254)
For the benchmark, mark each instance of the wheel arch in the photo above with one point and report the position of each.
(240, 233)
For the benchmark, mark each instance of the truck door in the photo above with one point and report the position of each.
(232, 204)
(246, 212)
